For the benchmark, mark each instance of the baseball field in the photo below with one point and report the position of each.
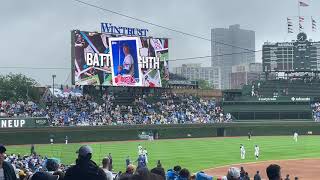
(194, 154)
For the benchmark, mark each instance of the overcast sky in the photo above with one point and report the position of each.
(36, 33)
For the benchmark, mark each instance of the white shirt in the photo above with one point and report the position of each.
(127, 62)
(109, 174)
(145, 152)
(1, 174)
(242, 149)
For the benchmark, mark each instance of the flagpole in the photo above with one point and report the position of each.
(299, 15)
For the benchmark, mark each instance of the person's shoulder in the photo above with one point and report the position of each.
(7, 164)
(71, 169)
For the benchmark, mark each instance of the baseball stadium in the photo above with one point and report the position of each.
(125, 114)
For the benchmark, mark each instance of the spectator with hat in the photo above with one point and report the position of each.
(85, 168)
(6, 169)
(233, 173)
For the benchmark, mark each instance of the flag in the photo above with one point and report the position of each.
(303, 4)
(289, 24)
(301, 19)
(314, 24)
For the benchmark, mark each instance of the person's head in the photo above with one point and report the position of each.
(287, 175)
(296, 178)
(233, 173)
(2, 153)
(177, 169)
(184, 173)
(258, 172)
(273, 172)
(52, 165)
(105, 162)
(85, 153)
(130, 169)
(159, 171)
(126, 49)
(159, 163)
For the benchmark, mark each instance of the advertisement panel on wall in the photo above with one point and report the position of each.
(103, 59)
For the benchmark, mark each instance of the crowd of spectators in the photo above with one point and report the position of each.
(35, 167)
(85, 110)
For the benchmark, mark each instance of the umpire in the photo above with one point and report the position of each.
(85, 168)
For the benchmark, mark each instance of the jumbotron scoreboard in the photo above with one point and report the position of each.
(296, 56)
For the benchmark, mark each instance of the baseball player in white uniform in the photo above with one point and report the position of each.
(242, 152)
(256, 151)
(145, 153)
(295, 136)
(140, 150)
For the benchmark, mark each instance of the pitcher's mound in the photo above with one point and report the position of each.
(306, 169)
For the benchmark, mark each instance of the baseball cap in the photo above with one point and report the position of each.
(44, 176)
(84, 150)
(2, 148)
(233, 172)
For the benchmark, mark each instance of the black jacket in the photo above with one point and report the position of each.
(8, 171)
(87, 170)
(257, 177)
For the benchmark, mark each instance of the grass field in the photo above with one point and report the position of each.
(194, 154)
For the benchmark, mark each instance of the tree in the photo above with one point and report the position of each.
(18, 87)
(203, 84)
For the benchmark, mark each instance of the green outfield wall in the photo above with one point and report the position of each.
(37, 135)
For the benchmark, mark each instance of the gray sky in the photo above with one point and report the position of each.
(36, 33)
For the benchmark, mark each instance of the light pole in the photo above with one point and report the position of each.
(53, 76)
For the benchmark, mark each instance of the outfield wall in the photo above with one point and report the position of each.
(118, 133)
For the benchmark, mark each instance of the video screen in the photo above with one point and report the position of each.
(103, 59)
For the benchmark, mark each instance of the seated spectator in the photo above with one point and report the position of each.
(6, 169)
(52, 165)
(129, 172)
(203, 176)
(233, 174)
(184, 174)
(257, 176)
(106, 167)
(44, 176)
(159, 171)
(85, 168)
(274, 172)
